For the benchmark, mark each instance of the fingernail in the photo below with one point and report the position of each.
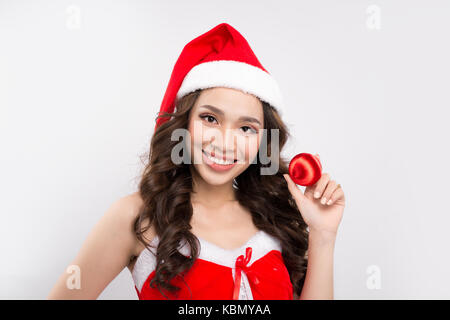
(317, 194)
(329, 202)
(324, 200)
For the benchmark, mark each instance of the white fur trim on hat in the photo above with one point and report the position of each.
(236, 75)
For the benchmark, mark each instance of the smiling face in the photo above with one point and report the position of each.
(224, 125)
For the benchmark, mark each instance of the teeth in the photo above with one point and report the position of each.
(218, 161)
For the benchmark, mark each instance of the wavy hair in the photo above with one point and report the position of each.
(165, 189)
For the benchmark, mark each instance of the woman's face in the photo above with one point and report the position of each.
(225, 124)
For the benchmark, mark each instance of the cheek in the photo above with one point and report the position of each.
(249, 148)
(195, 133)
(199, 132)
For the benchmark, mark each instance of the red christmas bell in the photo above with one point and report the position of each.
(305, 169)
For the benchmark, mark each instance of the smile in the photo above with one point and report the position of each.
(217, 160)
(217, 164)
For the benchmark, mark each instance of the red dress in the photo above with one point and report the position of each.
(255, 271)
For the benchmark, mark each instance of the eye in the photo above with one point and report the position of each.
(208, 117)
(252, 129)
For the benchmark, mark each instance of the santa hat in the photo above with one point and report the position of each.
(221, 57)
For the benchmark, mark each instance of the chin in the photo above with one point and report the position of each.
(212, 178)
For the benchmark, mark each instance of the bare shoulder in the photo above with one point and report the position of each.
(132, 202)
(109, 247)
(131, 205)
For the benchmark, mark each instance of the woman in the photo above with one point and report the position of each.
(212, 218)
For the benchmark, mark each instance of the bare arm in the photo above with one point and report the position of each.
(318, 283)
(103, 255)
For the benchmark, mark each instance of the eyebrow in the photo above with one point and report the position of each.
(220, 112)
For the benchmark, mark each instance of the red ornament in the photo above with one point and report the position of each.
(305, 169)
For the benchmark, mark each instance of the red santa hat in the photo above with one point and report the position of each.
(221, 57)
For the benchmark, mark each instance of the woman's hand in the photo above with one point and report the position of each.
(319, 216)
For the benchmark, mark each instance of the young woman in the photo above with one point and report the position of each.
(215, 225)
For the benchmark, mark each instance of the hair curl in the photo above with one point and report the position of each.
(165, 189)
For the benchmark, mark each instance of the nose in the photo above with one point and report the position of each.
(225, 144)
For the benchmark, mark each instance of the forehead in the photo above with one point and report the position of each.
(232, 102)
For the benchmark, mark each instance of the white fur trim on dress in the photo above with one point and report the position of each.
(236, 75)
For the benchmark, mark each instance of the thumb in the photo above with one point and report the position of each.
(297, 194)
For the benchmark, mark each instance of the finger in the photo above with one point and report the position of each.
(293, 188)
(291, 184)
(331, 186)
(336, 195)
(320, 185)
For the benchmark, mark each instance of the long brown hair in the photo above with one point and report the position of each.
(165, 189)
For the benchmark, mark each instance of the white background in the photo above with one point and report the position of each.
(81, 83)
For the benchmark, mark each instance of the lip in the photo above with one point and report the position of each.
(215, 166)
